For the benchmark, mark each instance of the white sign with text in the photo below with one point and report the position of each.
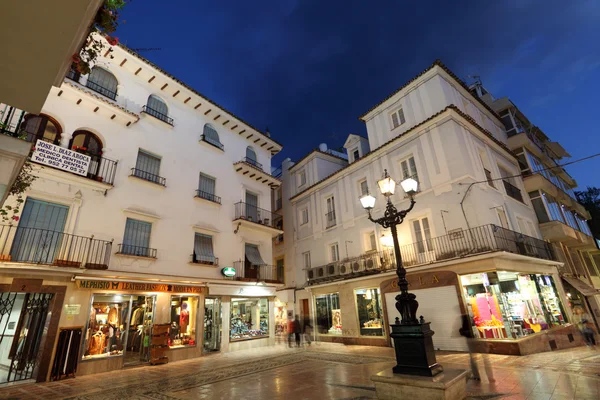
(61, 158)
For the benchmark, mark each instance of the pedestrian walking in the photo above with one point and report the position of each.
(297, 330)
(290, 331)
(307, 332)
(467, 332)
(585, 325)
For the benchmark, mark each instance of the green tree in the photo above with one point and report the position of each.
(590, 199)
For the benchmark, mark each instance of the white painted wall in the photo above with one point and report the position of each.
(173, 210)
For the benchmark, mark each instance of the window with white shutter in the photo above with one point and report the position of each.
(206, 188)
(397, 118)
(409, 169)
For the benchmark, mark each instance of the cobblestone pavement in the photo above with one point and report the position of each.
(322, 371)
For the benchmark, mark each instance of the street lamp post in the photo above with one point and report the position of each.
(413, 342)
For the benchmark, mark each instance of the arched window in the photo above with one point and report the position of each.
(251, 155)
(86, 142)
(211, 136)
(103, 82)
(41, 127)
(158, 109)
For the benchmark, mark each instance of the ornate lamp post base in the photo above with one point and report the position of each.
(415, 354)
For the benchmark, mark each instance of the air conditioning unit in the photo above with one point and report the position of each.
(345, 268)
(372, 263)
(356, 266)
(320, 272)
(332, 270)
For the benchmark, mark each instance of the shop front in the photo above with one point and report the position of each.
(582, 299)
(248, 315)
(118, 319)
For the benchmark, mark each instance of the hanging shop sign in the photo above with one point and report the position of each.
(143, 287)
(60, 158)
(228, 272)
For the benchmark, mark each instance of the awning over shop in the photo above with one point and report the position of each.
(584, 288)
(253, 255)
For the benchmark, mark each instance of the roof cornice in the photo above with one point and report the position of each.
(315, 152)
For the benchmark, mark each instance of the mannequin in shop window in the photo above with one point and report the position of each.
(184, 318)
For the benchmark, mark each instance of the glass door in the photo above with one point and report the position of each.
(140, 330)
(212, 324)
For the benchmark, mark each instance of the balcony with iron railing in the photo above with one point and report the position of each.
(157, 114)
(512, 191)
(256, 273)
(42, 246)
(212, 142)
(96, 87)
(200, 194)
(97, 168)
(256, 215)
(147, 176)
(330, 220)
(252, 162)
(137, 251)
(462, 244)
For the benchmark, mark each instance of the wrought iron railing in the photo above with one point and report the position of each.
(43, 246)
(157, 114)
(138, 251)
(212, 142)
(258, 273)
(466, 243)
(208, 196)
(330, 221)
(252, 162)
(253, 213)
(101, 89)
(512, 191)
(138, 173)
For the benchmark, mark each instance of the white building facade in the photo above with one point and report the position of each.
(152, 206)
(471, 244)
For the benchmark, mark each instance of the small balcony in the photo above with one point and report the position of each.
(41, 246)
(252, 169)
(157, 115)
(513, 191)
(458, 245)
(245, 271)
(212, 142)
(207, 196)
(136, 251)
(147, 176)
(330, 220)
(254, 217)
(76, 77)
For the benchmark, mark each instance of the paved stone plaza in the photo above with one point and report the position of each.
(323, 371)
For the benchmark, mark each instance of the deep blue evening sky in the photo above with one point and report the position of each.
(308, 69)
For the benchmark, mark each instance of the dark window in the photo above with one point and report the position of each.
(103, 82)
(136, 240)
(86, 142)
(41, 127)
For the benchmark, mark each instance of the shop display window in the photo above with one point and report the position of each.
(106, 333)
(510, 305)
(329, 314)
(370, 313)
(183, 321)
(249, 318)
(281, 318)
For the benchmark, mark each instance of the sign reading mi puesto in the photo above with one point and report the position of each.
(61, 158)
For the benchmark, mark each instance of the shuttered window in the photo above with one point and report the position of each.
(158, 108)
(148, 167)
(409, 169)
(207, 185)
(253, 255)
(398, 118)
(203, 249)
(136, 240)
(211, 136)
(364, 187)
(103, 82)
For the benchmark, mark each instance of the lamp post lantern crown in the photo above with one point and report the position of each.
(387, 185)
(367, 201)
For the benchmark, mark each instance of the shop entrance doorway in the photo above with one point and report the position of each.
(212, 324)
(22, 322)
(140, 330)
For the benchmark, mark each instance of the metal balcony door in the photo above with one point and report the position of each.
(252, 206)
(40, 232)
(423, 240)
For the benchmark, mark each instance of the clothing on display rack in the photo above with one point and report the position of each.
(97, 343)
(137, 317)
(67, 351)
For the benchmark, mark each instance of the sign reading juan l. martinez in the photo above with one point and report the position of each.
(61, 158)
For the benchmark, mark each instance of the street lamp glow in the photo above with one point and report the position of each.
(367, 201)
(409, 186)
(387, 241)
(387, 185)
